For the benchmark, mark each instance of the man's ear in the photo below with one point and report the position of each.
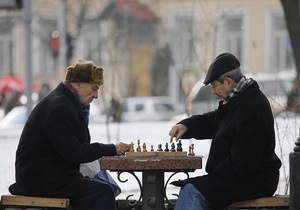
(77, 85)
(229, 81)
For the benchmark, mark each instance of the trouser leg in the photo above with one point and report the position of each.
(98, 197)
(190, 199)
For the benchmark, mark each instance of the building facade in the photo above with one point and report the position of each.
(129, 39)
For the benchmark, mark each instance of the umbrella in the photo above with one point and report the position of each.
(11, 83)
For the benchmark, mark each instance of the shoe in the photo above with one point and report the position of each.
(179, 183)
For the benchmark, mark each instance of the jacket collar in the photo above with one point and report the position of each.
(62, 88)
(235, 101)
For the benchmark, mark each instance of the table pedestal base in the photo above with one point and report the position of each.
(153, 190)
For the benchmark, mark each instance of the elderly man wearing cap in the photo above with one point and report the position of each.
(242, 163)
(56, 140)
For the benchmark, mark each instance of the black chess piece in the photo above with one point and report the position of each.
(173, 147)
(166, 148)
(179, 146)
(159, 149)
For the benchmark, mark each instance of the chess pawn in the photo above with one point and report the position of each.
(173, 147)
(144, 147)
(138, 149)
(152, 150)
(166, 148)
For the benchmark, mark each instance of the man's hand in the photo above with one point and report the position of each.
(177, 131)
(122, 148)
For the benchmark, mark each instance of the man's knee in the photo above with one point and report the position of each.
(189, 188)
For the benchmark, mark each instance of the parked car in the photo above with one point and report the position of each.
(274, 86)
(15, 118)
(148, 109)
(200, 99)
(1, 113)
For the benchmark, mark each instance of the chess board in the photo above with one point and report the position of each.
(147, 154)
(143, 152)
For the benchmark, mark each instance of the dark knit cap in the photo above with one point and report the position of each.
(84, 71)
(223, 63)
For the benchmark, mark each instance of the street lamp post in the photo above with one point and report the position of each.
(27, 21)
(61, 25)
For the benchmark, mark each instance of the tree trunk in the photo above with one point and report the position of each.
(291, 10)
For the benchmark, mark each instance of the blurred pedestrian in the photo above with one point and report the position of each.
(45, 90)
(10, 100)
(116, 109)
(56, 140)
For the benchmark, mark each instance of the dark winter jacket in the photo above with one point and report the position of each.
(242, 163)
(54, 142)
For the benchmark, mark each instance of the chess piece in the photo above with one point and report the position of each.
(131, 148)
(173, 147)
(179, 146)
(144, 147)
(191, 150)
(159, 149)
(166, 148)
(138, 149)
(152, 150)
(193, 154)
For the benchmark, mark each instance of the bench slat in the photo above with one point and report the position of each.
(275, 201)
(34, 201)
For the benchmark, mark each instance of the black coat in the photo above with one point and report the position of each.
(242, 163)
(54, 142)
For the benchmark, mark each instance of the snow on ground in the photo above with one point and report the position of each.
(152, 133)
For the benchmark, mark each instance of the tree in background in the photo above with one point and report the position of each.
(292, 16)
(160, 71)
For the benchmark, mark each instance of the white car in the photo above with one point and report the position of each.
(148, 109)
(200, 100)
(274, 86)
(15, 118)
(11, 125)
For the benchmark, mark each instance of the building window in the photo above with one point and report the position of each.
(184, 40)
(230, 33)
(279, 49)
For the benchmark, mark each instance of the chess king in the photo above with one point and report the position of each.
(242, 163)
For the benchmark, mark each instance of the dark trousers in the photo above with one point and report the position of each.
(98, 197)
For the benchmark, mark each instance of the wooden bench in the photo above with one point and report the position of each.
(274, 202)
(13, 202)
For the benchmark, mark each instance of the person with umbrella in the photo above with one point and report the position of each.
(11, 90)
